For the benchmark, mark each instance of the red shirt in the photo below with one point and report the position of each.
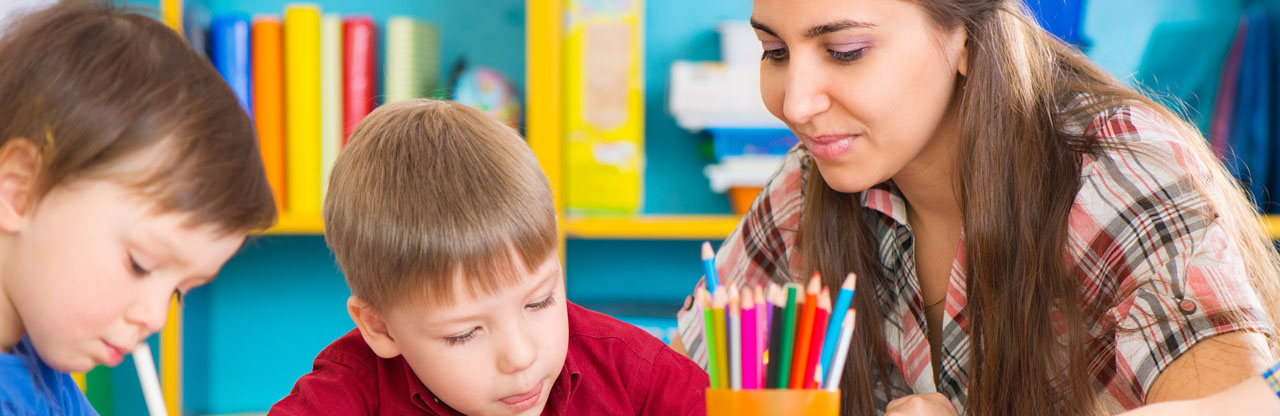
(611, 368)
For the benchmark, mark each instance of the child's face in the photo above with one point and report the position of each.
(490, 355)
(91, 269)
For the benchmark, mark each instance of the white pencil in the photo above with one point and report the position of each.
(842, 352)
(149, 380)
(735, 338)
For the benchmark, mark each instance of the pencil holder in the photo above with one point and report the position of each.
(724, 402)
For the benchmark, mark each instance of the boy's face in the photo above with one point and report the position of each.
(490, 355)
(89, 272)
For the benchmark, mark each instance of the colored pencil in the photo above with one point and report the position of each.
(149, 380)
(750, 339)
(709, 267)
(709, 334)
(847, 291)
(842, 352)
(762, 336)
(804, 332)
(815, 345)
(775, 339)
(788, 339)
(719, 300)
(735, 338)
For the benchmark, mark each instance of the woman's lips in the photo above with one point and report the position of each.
(830, 146)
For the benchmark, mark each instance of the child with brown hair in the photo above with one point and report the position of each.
(128, 174)
(444, 225)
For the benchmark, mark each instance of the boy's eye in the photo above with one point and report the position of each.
(136, 268)
(542, 304)
(178, 294)
(461, 338)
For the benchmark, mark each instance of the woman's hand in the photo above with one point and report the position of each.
(929, 404)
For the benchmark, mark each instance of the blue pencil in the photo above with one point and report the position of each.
(709, 266)
(836, 323)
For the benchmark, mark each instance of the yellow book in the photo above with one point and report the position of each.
(302, 108)
(604, 106)
(330, 95)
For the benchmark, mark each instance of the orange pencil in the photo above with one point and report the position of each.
(804, 332)
(819, 339)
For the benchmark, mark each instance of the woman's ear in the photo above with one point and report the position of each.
(961, 40)
(20, 160)
(372, 327)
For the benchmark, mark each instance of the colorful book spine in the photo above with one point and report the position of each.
(302, 108)
(268, 101)
(330, 96)
(229, 51)
(413, 59)
(359, 49)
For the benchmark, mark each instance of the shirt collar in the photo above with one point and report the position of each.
(886, 199)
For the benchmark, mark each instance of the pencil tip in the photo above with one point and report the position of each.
(707, 252)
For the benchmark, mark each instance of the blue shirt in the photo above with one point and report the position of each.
(28, 386)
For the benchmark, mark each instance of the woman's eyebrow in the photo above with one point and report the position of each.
(818, 30)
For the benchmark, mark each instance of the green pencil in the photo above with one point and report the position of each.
(709, 334)
(788, 339)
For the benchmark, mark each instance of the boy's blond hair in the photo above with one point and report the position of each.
(425, 190)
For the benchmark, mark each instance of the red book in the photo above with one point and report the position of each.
(359, 45)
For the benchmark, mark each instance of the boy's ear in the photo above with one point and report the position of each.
(19, 167)
(373, 328)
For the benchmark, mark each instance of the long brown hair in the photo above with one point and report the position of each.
(94, 85)
(1021, 171)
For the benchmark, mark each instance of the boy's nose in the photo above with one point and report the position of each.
(149, 313)
(518, 352)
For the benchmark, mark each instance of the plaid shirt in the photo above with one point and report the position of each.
(1148, 256)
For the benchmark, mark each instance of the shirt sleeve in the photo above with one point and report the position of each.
(678, 387)
(331, 388)
(761, 249)
(1177, 276)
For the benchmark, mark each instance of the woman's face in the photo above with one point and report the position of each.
(864, 84)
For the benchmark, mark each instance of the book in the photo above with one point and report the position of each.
(359, 50)
(302, 108)
(268, 101)
(229, 52)
(330, 95)
(413, 59)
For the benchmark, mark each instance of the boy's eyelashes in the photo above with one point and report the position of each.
(462, 338)
(136, 268)
(542, 304)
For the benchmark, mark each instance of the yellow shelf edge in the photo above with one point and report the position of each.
(663, 227)
(297, 225)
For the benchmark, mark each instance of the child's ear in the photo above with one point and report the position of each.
(372, 327)
(19, 166)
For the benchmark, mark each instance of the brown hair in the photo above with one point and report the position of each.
(93, 85)
(1022, 167)
(429, 189)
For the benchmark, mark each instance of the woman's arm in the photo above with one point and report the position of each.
(1211, 366)
(1255, 396)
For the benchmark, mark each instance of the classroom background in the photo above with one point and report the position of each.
(645, 114)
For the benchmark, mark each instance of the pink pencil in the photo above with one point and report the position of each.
(762, 332)
(749, 340)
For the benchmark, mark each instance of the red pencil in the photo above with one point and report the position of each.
(819, 339)
(804, 332)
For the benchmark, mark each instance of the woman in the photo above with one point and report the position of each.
(1036, 237)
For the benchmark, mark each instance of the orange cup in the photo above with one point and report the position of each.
(724, 402)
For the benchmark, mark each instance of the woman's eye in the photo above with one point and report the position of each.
(461, 338)
(542, 304)
(776, 55)
(847, 56)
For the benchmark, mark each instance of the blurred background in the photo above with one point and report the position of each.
(645, 113)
